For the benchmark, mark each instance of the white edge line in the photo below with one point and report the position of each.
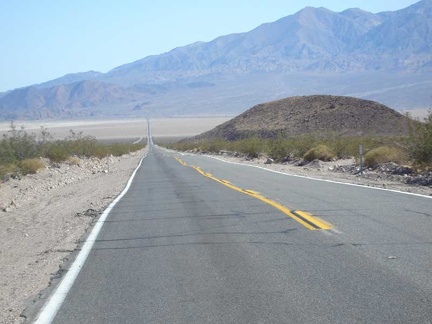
(316, 179)
(51, 307)
(140, 139)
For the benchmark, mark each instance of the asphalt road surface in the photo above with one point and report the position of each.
(224, 243)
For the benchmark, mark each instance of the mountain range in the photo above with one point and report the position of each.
(386, 57)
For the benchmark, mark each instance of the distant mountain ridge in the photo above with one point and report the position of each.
(66, 100)
(313, 39)
(385, 54)
(71, 78)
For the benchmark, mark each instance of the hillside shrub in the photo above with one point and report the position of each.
(18, 145)
(119, 150)
(83, 146)
(342, 146)
(7, 154)
(20, 151)
(278, 148)
(212, 146)
(7, 170)
(31, 166)
(384, 154)
(419, 144)
(252, 147)
(101, 151)
(181, 146)
(416, 148)
(320, 152)
(302, 144)
(57, 152)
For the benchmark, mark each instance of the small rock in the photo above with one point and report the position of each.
(300, 162)
(269, 161)
(317, 164)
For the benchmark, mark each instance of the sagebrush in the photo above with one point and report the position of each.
(20, 152)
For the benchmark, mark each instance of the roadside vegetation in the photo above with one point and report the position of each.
(414, 149)
(21, 152)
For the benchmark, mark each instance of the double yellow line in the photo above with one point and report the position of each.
(307, 220)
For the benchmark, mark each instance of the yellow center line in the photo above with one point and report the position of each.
(306, 219)
(251, 192)
(180, 161)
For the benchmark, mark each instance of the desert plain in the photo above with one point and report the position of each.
(122, 129)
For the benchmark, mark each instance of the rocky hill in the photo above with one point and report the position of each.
(386, 57)
(312, 114)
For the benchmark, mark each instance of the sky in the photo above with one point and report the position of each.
(46, 39)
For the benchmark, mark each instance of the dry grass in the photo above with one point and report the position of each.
(320, 152)
(7, 169)
(384, 154)
(31, 166)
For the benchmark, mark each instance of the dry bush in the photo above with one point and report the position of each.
(7, 169)
(384, 154)
(31, 166)
(419, 145)
(252, 146)
(57, 151)
(320, 152)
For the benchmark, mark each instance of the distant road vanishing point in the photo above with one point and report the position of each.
(198, 240)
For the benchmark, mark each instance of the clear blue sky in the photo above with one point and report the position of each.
(45, 39)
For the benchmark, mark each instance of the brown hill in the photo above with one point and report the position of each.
(312, 114)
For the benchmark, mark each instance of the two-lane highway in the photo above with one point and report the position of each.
(185, 246)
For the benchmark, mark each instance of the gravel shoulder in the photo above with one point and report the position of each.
(339, 171)
(42, 218)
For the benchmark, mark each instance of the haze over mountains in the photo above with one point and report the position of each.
(385, 57)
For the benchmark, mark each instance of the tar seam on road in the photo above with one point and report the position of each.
(307, 220)
(52, 306)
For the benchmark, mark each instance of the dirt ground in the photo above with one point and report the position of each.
(42, 217)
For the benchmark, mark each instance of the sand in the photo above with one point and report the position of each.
(42, 218)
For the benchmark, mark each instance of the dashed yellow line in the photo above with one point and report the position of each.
(306, 219)
(180, 161)
(251, 192)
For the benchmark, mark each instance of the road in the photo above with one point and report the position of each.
(197, 240)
